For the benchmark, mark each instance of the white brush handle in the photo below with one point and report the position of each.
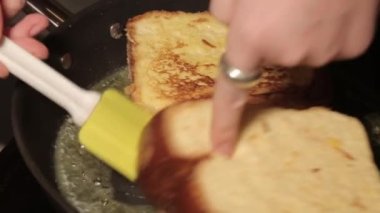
(77, 101)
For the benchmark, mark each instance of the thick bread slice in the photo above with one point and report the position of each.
(287, 160)
(173, 57)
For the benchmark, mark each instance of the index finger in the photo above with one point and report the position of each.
(228, 106)
(243, 50)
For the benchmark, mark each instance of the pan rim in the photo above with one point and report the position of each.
(53, 192)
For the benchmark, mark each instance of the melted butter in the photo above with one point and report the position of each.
(86, 182)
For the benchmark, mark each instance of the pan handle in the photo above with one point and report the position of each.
(56, 15)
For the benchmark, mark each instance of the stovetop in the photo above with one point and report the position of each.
(74, 5)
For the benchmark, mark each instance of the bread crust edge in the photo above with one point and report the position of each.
(164, 177)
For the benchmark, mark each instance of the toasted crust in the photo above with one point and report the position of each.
(174, 57)
(174, 169)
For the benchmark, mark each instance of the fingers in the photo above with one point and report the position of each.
(242, 48)
(29, 26)
(12, 7)
(239, 45)
(228, 100)
(23, 33)
(228, 106)
(362, 32)
(3, 71)
(33, 46)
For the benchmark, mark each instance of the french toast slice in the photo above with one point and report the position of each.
(174, 57)
(287, 160)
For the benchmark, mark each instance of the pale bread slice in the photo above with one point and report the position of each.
(287, 160)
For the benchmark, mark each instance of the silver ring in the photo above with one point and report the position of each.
(244, 80)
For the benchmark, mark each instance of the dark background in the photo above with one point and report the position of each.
(5, 96)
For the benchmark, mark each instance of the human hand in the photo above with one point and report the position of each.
(22, 33)
(285, 33)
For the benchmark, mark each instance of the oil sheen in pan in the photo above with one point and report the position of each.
(87, 183)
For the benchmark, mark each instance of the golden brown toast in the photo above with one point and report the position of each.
(174, 56)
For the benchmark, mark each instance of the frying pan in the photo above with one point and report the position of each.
(83, 50)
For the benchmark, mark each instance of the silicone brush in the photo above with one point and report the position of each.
(110, 124)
